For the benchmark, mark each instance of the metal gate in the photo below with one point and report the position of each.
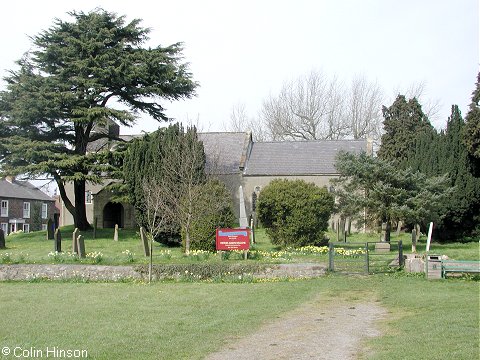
(365, 258)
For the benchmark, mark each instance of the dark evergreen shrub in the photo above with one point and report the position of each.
(295, 213)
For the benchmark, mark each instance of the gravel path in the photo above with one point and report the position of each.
(313, 331)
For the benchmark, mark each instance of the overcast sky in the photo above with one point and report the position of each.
(242, 51)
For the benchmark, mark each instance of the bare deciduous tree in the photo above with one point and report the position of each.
(184, 194)
(305, 109)
(363, 109)
(418, 90)
(318, 107)
(240, 121)
(157, 214)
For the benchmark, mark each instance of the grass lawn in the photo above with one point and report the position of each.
(34, 248)
(427, 319)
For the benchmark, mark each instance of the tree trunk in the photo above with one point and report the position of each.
(80, 217)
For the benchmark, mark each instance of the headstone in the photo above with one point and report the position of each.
(94, 228)
(383, 236)
(399, 227)
(2, 239)
(50, 229)
(143, 238)
(252, 231)
(243, 212)
(76, 232)
(414, 241)
(81, 246)
(115, 233)
(58, 240)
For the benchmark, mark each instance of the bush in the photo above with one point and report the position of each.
(295, 213)
(214, 210)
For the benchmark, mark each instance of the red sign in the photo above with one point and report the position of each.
(233, 239)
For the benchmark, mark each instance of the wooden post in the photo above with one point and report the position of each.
(2, 239)
(331, 254)
(150, 265)
(338, 230)
(400, 254)
(115, 233)
(342, 226)
(58, 240)
(144, 240)
(81, 246)
(94, 228)
(50, 229)
(414, 241)
(76, 232)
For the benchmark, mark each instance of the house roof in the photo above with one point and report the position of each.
(22, 190)
(225, 151)
(298, 157)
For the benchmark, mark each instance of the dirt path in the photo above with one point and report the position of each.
(315, 330)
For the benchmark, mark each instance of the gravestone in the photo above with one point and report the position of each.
(76, 232)
(383, 234)
(58, 240)
(414, 241)
(115, 234)
(81, 246)
(143, 238)
(50, 229)
(399, 227)
(2, 239)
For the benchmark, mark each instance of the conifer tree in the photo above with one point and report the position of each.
(66, 89)
(387, 193)
(472, 128)
(462, 217)
(403, 122)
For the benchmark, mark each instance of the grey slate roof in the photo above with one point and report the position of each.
(225, 151)
(22, 190)
(314, 157)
